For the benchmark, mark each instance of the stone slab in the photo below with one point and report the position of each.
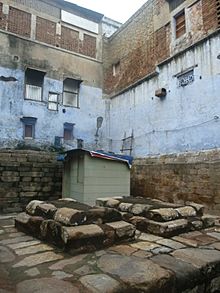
(6, 255)
(144, 245)
(33, 249)
(70, 217)
(200, 258)
(122, 229)
(123, 249)
(100, 283)
(37, 259)
(23, 244)
(186, 211)
(171, 243)
(60, 265)
(61, 275)
(16, 240)
(136, 273)
(46, 285)
(163, 214)
(186, 274)
(32, 272)
(81, 232)
(149, 237)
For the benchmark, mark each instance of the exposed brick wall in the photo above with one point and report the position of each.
(2, 18)
(88, 46)
(146, 40)
(27, 175)
(180, 178)
(69, 39)
(19, 22)
(40, 6)
(46, 31)
(210, 20)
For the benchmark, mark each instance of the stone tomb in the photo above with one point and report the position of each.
(74, 227)
(158, 217)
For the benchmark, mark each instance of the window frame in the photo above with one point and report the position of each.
(29, 121)
(73, 92)
(28, 83)
(68, 127)
(53, 102)
(176, 24)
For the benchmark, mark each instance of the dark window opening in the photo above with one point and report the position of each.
(173, 4)
(71, 92)
(68, 131)
(180, 24)
(34, 81)
(29, 127)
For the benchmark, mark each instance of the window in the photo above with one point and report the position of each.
(53, 101)
(185, 78)
(68, 131)
(29, 127)
(71, 92)
(116, 68)
(173, 4)
(180, 24)
(34, 81)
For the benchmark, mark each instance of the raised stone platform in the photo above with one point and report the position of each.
(158, 217)
(74, 227)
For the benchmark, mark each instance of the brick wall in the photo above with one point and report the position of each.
(88, 46)
(19, 22)
(180, 178)
(210, 19)
(146, 40)
(2, 18)
(46, 31)
(69, 39)
(27, 175)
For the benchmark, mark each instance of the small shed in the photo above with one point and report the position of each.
(89, 175)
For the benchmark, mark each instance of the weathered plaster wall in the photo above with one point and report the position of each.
(180, 178)
(57, 65)
(188, 117)
(149, 37)
(28, 175)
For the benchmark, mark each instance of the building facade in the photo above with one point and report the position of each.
(155, 80)
(50, 74)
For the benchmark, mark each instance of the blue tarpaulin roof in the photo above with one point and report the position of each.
(98, 154)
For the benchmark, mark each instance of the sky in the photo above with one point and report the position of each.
(119, 10)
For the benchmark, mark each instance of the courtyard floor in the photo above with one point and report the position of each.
(186, 263)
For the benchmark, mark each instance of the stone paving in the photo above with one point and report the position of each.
(188, 263)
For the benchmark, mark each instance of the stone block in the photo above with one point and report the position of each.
(46, 210)
(31, 207)
(139, 209)
(51, 232)
(141, 223)
(122, 229)
(112, 203)
(163, 214)
(125, 207)
(70, 217)
(187, 211)
(198, 207)
(28, 224)
(167, 229)
(209, 220)
(101, 215)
